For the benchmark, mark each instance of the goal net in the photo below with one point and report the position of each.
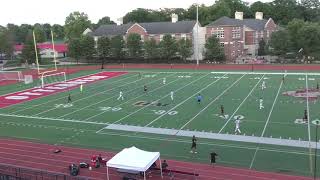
(11, 76)
(47, 79)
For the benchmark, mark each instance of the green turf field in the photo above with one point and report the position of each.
(272, 139)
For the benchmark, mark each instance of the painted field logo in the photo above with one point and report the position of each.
(313, 94)
(145, 103)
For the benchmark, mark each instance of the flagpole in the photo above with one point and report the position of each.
(197, 37)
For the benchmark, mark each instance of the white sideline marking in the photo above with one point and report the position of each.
(192, 96)
(32, 106)
(254, 87)
(52, 119)
(211, 102)
(133, 98)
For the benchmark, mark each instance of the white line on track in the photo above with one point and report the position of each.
(134, 98)
(266, 124)
(254, 87)
(192, 96)
(52, 119)
(93, 87)
(211, 103)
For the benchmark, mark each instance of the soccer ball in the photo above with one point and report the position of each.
(90, 168)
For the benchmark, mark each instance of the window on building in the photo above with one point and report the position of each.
(142, 37)
(173, 35)
(218, 33)
(236, 32)
(268, 34)
(222, 44)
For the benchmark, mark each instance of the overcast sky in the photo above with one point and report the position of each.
(55, 12)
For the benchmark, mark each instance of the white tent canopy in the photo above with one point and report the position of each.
(133, 159)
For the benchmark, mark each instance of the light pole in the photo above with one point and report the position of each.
(315, 153)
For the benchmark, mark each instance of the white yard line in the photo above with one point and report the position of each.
(159, 99)
(265, 126)
(93, 87)
(85, 107)
(52, 119)
(210, 103)
(133, 98)
(254, 87)
(192, 96)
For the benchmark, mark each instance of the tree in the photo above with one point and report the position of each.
(117, 47)
(262, 7)
(185, 48)
(134, 45)
(213, 50)
(87, 47)
(280, 42)
(75, 24)
(139, 15)
(47, 31)
(293, 29)
(309, 38)
(39, 33)
(168, 47)
(104, 47)
(218, 10)
(151, 49)
(262, 48)
(103, 21)
(284, 11)
(6, 43)
(58, 31)
(28, 52)
(74, 49)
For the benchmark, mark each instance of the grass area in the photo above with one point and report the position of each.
(40, 119)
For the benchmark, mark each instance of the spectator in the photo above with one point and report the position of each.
(100, 158)
(164, 165)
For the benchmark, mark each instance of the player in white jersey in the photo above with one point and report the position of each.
(81, 88)
(164, 81)
(171, 95)
(120, 96)
(237, 129)
(263, 86)
(261, 103)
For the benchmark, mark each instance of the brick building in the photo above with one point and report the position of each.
(240, 37)
(156, 30)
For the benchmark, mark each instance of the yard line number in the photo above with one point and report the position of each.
(161, 112)
(112, 109)
(63, 105)
(301, 121)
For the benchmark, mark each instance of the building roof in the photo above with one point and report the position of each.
(169, 27)
(151, 28)
(254, 24)
(111, 30)
(60, 48)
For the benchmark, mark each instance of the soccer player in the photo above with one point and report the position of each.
(237, 129)
(222, 110)
(317, 86)
(261, 103)
(145, 89)
(164, 81)
(305, 116)
(199, 98)
(171, 95)
(81, 88)
(213, 158)
(69, 98)
(120, 95)
(194, 145)
(263, 86)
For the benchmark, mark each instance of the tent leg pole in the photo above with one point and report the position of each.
(144, 174)
(160, 168)
(107, 173)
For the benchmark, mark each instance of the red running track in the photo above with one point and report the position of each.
(41, 156)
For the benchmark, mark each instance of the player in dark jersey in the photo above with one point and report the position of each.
(194, 145)
(213, 158)
(222, 110)
(69, 98)
(145, 89)
(305, 116)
